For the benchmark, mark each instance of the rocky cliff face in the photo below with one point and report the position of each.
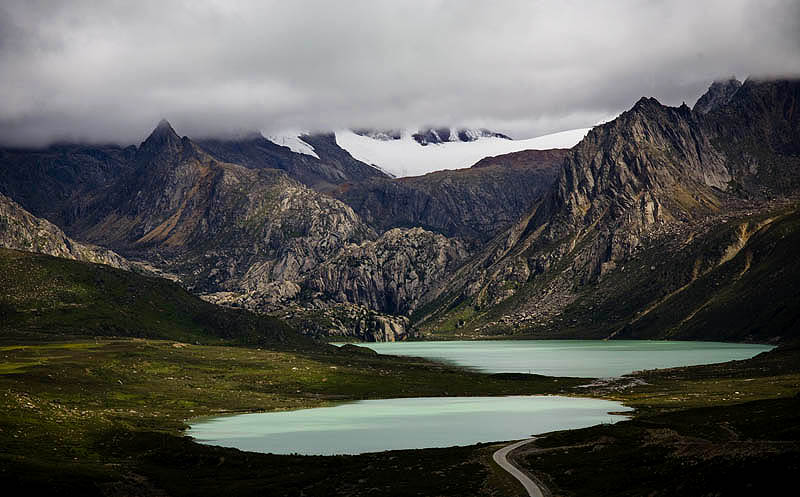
(393, 274)
(348, 321)
(390, 276)
(757, 131)
(21, 230)
(471, 204)
(651, 166)
(649, 179)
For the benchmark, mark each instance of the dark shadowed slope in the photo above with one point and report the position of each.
(58, 183)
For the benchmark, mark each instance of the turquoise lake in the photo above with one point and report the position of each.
(583, 358)
(377, 425)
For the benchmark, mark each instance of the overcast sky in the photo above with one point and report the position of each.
(109, 70)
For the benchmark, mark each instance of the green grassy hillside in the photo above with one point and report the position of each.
(43, 297)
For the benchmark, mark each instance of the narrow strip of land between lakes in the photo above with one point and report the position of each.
(501, 458)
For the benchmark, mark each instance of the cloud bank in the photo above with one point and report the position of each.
(108, 71)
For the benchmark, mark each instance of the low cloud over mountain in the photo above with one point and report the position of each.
(92, 71)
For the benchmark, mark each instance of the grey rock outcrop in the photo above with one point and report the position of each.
(428, 136)
(348, 321)
(394, 274)
(718, 94)
(21, 230)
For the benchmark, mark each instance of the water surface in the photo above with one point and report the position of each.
(583, 358)
(377, 425)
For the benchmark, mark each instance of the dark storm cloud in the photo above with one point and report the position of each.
(107, 71)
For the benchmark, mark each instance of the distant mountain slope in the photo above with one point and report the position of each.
(750, 294)
(635, 199)
(21, 230)
(525, 159)
(58, 182)
(473, 204)
(55, 298)
(407, 156)
(328, 167)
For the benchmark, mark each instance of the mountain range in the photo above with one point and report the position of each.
(664, 222)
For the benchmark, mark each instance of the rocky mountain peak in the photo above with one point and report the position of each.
(718, 94)
(646, 103)
(163, 131)
(644, 155)
(163, 124)
(162, 139)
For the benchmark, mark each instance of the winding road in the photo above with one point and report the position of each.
(501, 458)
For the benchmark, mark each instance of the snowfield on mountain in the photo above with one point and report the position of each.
(407, 157)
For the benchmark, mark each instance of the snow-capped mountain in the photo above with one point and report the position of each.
(416, 152)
